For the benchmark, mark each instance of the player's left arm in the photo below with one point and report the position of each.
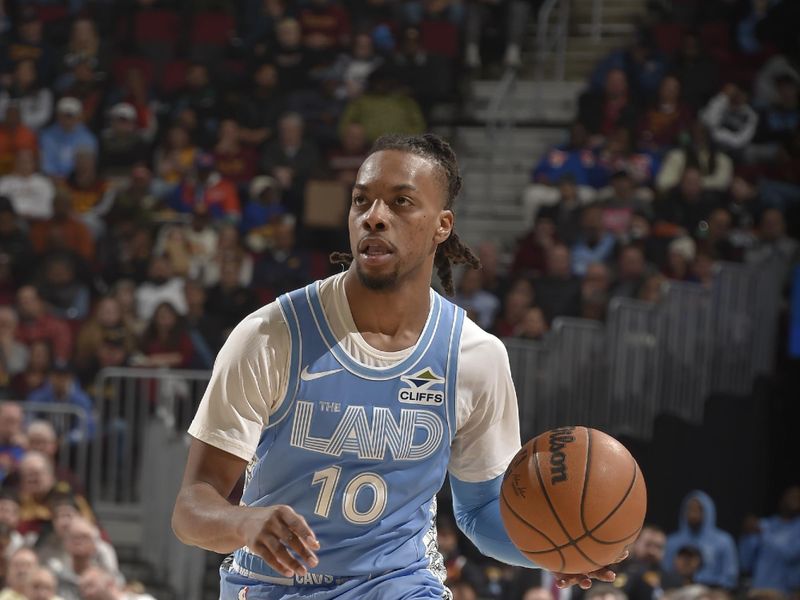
(487, 438)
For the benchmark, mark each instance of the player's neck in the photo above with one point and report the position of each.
(389, 320)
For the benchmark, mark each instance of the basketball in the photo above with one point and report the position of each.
(572, 499)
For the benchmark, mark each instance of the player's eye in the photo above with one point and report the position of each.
(403, 201)
(359, 200)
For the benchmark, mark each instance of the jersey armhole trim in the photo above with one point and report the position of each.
(296, 341)
(451, 376)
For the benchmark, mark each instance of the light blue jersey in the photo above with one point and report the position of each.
(359, 452)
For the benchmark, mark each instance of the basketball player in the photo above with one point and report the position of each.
(347, 401)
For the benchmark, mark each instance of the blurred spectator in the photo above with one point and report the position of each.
(204, 327)
(161, 286)
(200, 96)
(621, 202)
(353, 68)
(575, 159)
(38, 323)
(715, 240)
(12, 438)
(30, 192)
(604, 591)
(228, 248)
(290, 56)
(37, 487)
(770, 548)
(384, 108)
(90, 195)
(631, 272)
(345, 159)
(63, 231)
(516, 18)
(686, 206)
(98, 584)
(14, 138)
(234, 160)
(229, 298)
(663, 122)
(60, 141)
(13, 354)
(35, 373)
(603, 112)
(642, 63)
(686, 564)
(80, 543)
(173, 244)
(695, 69)
(165, 342)
(459, 567)
(59, 286)
(426, 75)
(516, 303)
(771, 239)
(594, 292)
(618, 154)
(533, 325)
(124, 292)
(530, 258)
(85, 84)
(463, 590)
(63, 388)
(681, 253)
(21, 566)
(558, 293)
(204, 190)
(85, 44)
(30, 43)
(291, 159)
(325, 25)
(135, 92)
(259, 109)
(42, 585)
(128, 255)
(9, 519)
(42, 438)
(594, 242)
(106, 323)
(35, 100)
(482, 306)
(653, 288)
(538, 593)
(286, 265)
(641, 574)
(779, 119)
(121, 143)
(135, 201)
(697, 527)
(765, 88)
(730, 119)
(698, 151)
(175, 157)
(746, 28)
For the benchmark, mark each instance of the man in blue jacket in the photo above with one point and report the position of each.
(697, 527)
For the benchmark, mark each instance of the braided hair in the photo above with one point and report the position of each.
(432, 147)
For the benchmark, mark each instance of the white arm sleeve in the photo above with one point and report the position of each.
(247, 384)
(487, 419)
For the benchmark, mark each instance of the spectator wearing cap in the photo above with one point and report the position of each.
(345, 159)
(259, 110)
(260, 212)
(730, 119)
(165, 341)
(21, 566)
(87, 85)
(134, 90)
(99, 584)
(63, 388)
(121, 143)
(15, 137)
(58, 284)
(594, 243)
(15, 246)
(204, 191)
(63, 231)
(37, 322)
(699, 151)
(34, 99)
(681, 253)
(91, 194)
(60, 142)
(13, 354)
(234, 160)
(687, 561)
(38, 486)
(30, 192)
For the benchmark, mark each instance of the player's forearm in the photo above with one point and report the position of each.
(202, 517)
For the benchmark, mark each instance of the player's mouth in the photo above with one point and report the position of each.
(375, 250)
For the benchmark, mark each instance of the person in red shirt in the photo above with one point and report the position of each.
(165, 342)
(36, 323)
(235, 161)
(14, 137)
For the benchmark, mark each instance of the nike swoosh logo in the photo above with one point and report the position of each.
(305, 375)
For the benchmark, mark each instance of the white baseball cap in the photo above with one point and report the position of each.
(123, 110)
(69, 106)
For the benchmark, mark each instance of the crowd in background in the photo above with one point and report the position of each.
(158, 162)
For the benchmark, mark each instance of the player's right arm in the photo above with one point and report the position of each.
(247, 385)
(203, 516)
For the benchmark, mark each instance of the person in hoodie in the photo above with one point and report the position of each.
(697, 527)
(770, 548)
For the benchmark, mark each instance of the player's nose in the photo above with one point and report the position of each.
(376, 218)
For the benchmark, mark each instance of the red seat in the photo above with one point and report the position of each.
(50, 13)
(212, 28)
(439, 37)
(173, 76)
(668, 36)
(156, 26)
(123, 64)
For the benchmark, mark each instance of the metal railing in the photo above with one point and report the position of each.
(552, 30)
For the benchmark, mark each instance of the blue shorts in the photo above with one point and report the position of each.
(406, 584)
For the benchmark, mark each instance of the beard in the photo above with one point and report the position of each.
(377, 283)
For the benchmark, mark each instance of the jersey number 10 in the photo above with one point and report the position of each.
(328, 479)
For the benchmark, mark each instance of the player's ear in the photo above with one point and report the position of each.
(445, 226)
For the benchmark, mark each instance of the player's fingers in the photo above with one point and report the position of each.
(291, 539)
(267, 551)
(564, 581)
(299, 526)
(625, 554)
(282, 553)
(606, 575)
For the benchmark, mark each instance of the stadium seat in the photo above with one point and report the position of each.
(156, 26)
(211, 29)
(123, 64)
(440, 37)
(51, 13)
(668, 36)
(173, 76)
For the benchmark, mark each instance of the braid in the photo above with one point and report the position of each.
(432, 147)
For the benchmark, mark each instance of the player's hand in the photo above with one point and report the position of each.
(271, 531)
(584, 580)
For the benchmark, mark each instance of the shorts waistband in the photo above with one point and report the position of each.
(310, 579)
